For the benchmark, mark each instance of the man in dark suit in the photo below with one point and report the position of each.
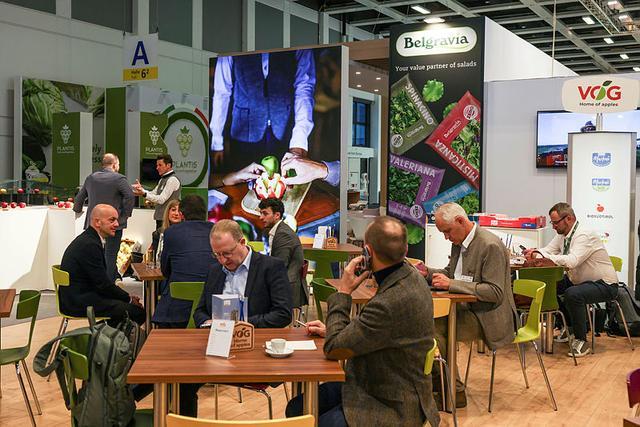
(479, 265)
(386, 344)
(282, 242)
(186, 257)
(89, 284)
(109, 187)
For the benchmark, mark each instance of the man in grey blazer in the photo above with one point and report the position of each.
(386, 345)
(108, 187)
(282, 242)
(479, 265)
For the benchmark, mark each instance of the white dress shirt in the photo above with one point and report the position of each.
(172, 185)
(457, 274)
(587, 259)
(272, 233)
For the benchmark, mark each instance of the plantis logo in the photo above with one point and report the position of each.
(436, 42)
(599, 92)
(184, 140)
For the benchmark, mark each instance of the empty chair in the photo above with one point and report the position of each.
(633, 391)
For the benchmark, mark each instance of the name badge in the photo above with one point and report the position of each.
(466, 278)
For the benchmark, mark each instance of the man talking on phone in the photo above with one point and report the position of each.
(385, 345)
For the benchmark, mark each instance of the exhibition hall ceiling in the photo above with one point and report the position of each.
(591, 36)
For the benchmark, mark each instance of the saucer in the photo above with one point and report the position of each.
(287, 352)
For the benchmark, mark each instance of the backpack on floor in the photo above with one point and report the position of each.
(105, 399)
(631, 311)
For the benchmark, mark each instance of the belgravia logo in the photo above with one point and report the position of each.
(436, 41)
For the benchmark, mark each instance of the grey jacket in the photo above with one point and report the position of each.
(386, 346)
(286, 246)
(108, 187)
(486, 260)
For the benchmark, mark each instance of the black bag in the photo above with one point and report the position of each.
(631, 312)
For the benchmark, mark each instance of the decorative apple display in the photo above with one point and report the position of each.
(67, 205)
(13, 205)
(20, 190)
(5, 205)
(3, 191)
(70, 199)
(22, 205)
(61, 204)
(55, 200)
(36, 191)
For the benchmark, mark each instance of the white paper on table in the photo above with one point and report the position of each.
(297, 345)
(220, 337)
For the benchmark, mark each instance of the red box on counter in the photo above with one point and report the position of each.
(501, 220)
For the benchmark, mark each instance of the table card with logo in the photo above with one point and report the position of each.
(318, 239)
(220, 337)
(242, 337)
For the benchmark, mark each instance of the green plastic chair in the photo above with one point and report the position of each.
(321, 292)
(190, 291)
(323, 259)
(550, 276)
(28, 304)
(617, 263)
(61, 278)
(530, 332)
(76, 367)
(256, 245)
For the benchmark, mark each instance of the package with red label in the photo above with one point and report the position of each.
(500, 220)
(457, 138)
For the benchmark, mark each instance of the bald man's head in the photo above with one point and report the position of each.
(111, 161)
(104, 219)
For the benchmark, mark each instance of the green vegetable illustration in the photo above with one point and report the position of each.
(403, 113)
(78, 93)
(271, 164)
(40, 100)
(184, 140)
(470, 203)
(467, 143)
(403, 186)
(448, 109)
(415, 234)
(432, 90)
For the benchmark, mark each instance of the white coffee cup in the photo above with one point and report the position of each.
(278, 345)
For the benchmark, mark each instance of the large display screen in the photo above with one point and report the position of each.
(554, 127)
(275, 131)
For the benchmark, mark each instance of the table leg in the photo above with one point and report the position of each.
(296, 389)
(175, 398)
(146, 288)
(310, 399)
(452, 351)
(548, 345)
(160, 405)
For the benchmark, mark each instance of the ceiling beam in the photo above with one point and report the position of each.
(564, 30)
(338, 10)
(458, 7)
(549, 29)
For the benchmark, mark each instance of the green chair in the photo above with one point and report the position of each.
(321, 292)
(550, 276)
(323, 259)
(256, 245)
(74, 351)
(28, 304)
(530, 332)
(190, 291)
(61, 278)
(591, 312)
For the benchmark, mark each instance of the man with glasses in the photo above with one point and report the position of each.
(590, 277)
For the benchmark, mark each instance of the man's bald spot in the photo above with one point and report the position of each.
(103, 211)
(109, 159)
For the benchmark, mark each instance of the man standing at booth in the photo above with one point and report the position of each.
(590, 277)
(107, 186)
(478, 265)
(168, 187)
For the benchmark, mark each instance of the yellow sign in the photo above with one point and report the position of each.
(149, 73)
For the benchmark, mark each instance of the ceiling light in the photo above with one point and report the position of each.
(434, 20)
(608, 40)
(624, 17)
(376, 90)
(636, 68)
(358, 85)
(613, 3)
(378, 78)
(358, 73)
(421, 9)
(624, 56)
(588, 20)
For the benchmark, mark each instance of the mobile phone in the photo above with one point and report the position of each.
(365, 265)
(304, 325)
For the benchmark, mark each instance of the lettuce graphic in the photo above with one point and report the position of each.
(415, 234)
(40, 100)
(432, 90)
(448, 109)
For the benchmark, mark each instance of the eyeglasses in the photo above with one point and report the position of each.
(558, 221)
(225, 254)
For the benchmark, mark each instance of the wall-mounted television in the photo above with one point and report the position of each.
(554, 127)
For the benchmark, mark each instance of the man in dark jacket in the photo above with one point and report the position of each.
(109, 187)
(89, 284)
(186, 257)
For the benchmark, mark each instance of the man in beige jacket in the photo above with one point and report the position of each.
(479, 265)
(385, 346)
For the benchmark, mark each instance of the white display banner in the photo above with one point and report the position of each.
(600, 94)
(601, 188)
(140, 58)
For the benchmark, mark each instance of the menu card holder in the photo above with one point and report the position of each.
(220, 338)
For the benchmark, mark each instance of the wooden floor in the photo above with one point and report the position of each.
(591, 394)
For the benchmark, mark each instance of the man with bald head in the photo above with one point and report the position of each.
(89, 283)
(109, 187)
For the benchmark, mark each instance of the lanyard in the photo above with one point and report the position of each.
(567, 241)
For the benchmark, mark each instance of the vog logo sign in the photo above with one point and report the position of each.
(601, 184)
(600, 94)
(601, 159)
(436, 41)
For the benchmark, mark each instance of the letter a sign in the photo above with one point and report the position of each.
(140, 58)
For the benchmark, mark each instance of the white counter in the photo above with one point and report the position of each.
(33, 239)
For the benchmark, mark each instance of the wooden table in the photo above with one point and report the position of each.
(172, 356)
(149, 277)
(363, 294)
(6, 303)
